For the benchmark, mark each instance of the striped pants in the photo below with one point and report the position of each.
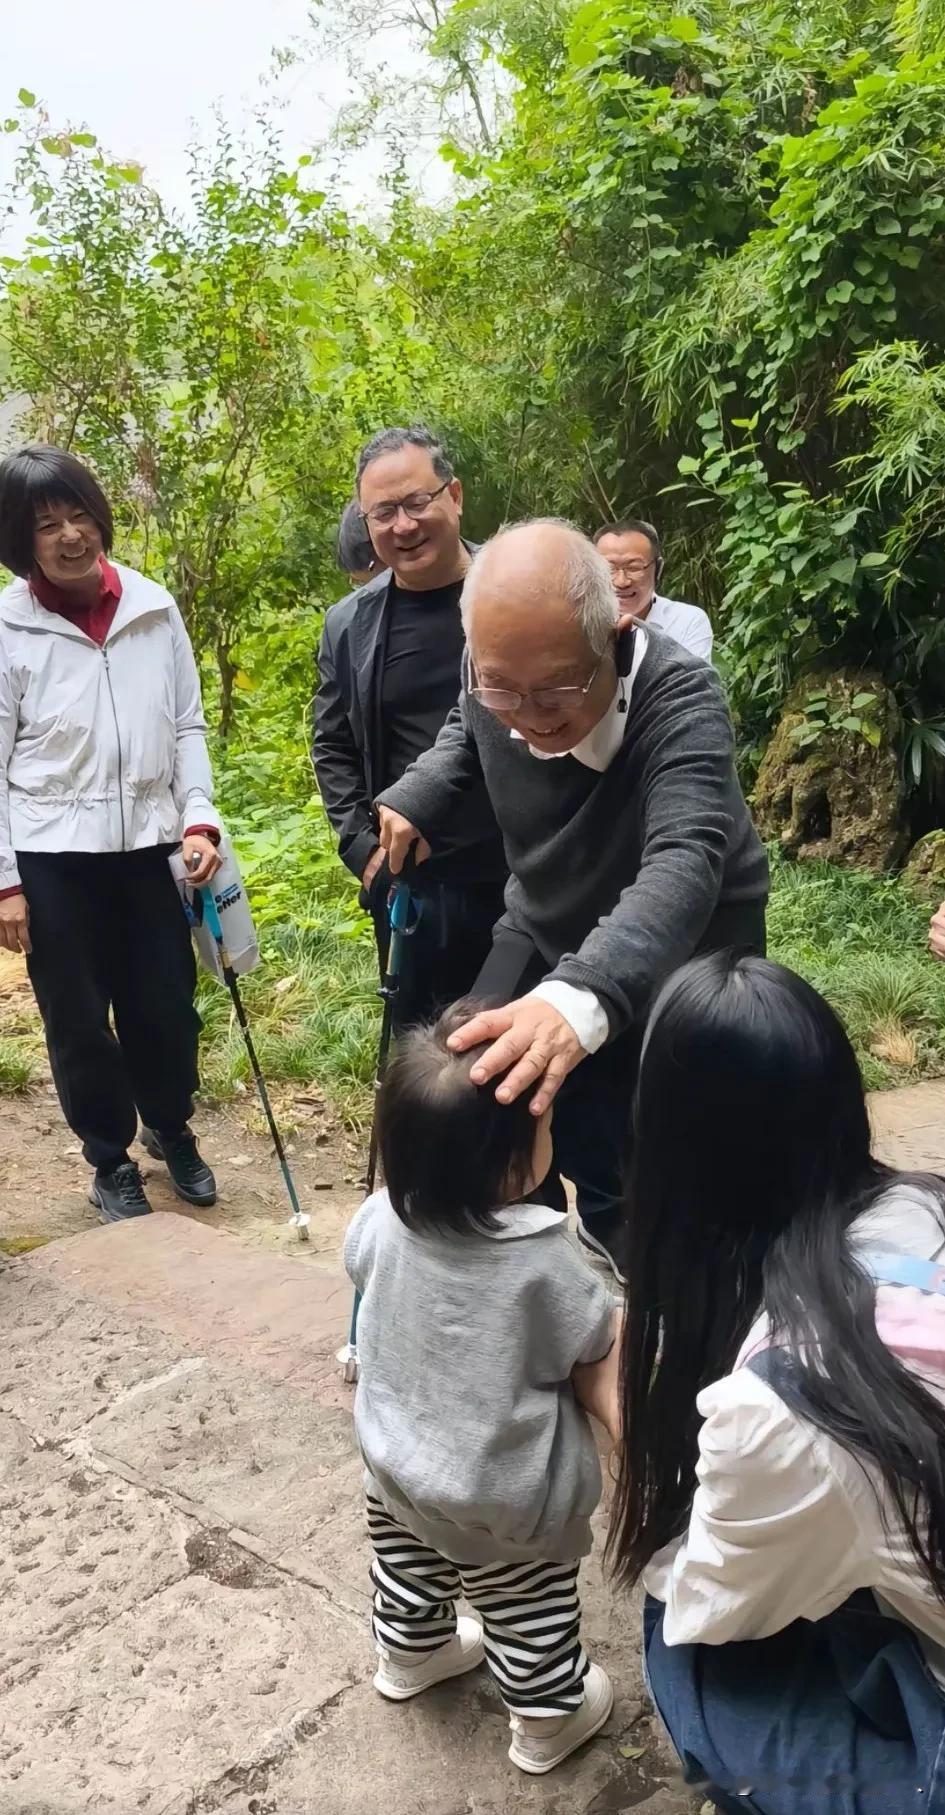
(530, 1613)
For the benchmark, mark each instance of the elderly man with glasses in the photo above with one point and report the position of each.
(607, 752)
(389, 674)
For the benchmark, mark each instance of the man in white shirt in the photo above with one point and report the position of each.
(634, 555)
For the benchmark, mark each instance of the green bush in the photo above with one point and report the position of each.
(861, 941)
(16, 1065)
(313, 1011)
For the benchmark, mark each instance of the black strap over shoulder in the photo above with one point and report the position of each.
(775, 1367)
(779, 1370)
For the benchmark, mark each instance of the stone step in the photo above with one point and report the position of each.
(284, 1317)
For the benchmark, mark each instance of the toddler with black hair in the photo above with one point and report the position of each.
(481, 1468)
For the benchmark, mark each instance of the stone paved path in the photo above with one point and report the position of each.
(182, 1566)
(909, 1126)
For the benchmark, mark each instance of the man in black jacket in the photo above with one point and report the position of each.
(389, 674)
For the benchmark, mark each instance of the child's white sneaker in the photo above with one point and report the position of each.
(539, 1744)
(399, 1679)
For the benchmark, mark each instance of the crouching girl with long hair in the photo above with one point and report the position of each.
(782, 1410)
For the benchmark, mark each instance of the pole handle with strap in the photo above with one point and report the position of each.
(404, 917)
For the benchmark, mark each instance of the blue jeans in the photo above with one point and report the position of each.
(837, 1717)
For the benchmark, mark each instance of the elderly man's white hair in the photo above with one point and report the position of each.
(585, 579)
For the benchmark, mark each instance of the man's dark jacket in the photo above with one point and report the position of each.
(348, 745)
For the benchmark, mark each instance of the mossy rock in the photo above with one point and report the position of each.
(924, 870)
(824, 791)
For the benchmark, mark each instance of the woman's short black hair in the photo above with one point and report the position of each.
(35, 476)
(452, 1154)
(354, 550)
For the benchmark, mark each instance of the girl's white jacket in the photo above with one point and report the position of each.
(100, 749)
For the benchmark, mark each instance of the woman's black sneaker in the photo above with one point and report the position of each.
(190, 1175)
(119, 1195)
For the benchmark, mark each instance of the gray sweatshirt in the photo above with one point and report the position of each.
(465, 1413)
(616, 877)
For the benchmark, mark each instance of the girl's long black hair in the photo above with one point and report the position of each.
(752, 1160)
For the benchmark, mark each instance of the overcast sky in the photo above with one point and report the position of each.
(142, 77)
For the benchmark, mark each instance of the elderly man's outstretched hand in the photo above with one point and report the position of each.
(531, 1037)
(397, 835)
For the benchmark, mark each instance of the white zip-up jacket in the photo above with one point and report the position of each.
(101, 749)
(786, 1524)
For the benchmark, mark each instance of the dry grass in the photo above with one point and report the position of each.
(895, 1045)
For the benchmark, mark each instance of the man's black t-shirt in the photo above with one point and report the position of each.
(420, 686)
(421, 672)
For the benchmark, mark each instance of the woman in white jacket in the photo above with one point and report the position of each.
(103, 772)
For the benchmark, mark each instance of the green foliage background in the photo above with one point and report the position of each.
(693, 268)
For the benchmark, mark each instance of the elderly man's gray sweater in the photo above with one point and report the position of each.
(615, 877)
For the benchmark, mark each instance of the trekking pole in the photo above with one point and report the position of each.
(298, 1220)
(403, 915)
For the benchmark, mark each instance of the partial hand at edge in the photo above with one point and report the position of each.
(371, 868)
(198, 845)
(531, 1041)
(937, 933)
(15, 924)
(397, 835)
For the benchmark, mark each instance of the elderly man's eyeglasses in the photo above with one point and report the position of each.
(415, 506)
(547, 699)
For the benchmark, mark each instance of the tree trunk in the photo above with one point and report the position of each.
(228, 672)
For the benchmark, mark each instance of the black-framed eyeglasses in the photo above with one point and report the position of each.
(548, 699)
(414, 506)
(634, 570)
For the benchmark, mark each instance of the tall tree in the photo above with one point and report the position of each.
(173, 353)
